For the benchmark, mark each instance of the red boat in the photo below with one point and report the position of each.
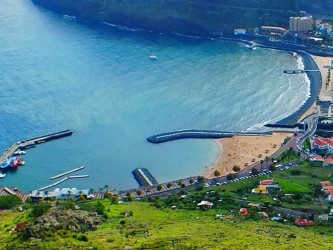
(16, 162)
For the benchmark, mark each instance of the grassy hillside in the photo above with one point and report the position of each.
(152, 228)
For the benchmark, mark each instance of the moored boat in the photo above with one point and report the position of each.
(2, 176)
(16, 162)
(19, 152)
(5, 164)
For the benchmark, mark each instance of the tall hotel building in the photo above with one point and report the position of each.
(301, 24)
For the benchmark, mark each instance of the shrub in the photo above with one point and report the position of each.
(39, 209)
(200, 179)
(83, 237)
(9, 202)
(236, 168)
(217, 173)
(230, 177)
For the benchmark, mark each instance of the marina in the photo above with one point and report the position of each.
(32, 142)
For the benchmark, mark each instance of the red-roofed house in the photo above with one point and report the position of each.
(316, 158)
(328, 189)
(323, 144)
(325, 183)
(267, 182)
(243, 211)
(205, 204)
(328, 162)
(304, 222)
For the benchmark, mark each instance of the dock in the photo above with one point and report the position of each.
(144, 177)
(62, 180)
(299, 71)
(32, 142)
(68, 172)
(53, 184)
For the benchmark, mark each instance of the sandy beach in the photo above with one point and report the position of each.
(243, 151)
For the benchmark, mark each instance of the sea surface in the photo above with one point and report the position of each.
(56, 73)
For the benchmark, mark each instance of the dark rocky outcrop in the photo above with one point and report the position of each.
(76, 221)
(193, 17)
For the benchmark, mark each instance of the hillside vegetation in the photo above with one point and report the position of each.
(147, 227)
(198, 17)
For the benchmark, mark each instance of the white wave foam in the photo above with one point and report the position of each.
(121, 27)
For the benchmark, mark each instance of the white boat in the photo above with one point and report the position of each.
(19, 152)
(22, 163)
(153, 57)
(2, 175)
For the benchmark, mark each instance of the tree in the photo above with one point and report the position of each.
(254, 171)
(169, 185)
(230, 177)
(217, 173)
(272, 168)
(191, 181)
(139, 192)
(236, 168)
(266, 160)
(159, 187)
(261, 162)
(106, 188)
(200, 179)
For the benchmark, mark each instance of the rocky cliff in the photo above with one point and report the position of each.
(193, 17)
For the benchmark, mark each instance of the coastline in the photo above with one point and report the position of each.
(243, 151)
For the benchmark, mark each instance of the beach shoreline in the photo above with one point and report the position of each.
(243, 151)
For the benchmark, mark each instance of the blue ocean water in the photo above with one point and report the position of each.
(99, 81)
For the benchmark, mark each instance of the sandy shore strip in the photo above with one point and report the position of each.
(243, 151)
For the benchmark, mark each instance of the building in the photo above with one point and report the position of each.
(267, 182)
(323, 27)
(239, 32)
(59, 193)
(301, 24)
(323, 144)
(304, 222)
(317, 158)
(273, 30)
(206, 204)
(328, 162)
(325, 183)
(325, 106)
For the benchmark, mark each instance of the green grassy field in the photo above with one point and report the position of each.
(152, 228)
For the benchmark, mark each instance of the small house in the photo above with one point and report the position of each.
(325, 183)
(206, 204)
(243, 211)
(267, 182)
(303, 222)
(328, 162)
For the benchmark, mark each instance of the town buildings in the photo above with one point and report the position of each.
(301, 24)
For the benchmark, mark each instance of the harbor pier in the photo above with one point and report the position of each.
(32, 142)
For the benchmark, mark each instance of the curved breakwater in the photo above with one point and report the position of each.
(196, 134)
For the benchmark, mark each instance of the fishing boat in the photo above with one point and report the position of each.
(16, 162)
